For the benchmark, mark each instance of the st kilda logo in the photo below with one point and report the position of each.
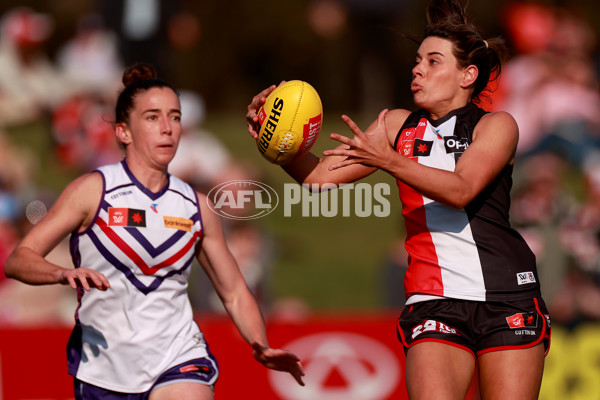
(242, 199)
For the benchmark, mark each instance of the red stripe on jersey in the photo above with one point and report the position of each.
(424, 271)
(173, 259)
(129, 252)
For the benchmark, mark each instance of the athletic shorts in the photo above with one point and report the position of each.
(202, 370)
(478, 327)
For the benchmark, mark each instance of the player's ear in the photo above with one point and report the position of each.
(123, 133)
(470, 75)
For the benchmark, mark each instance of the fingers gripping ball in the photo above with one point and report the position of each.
(290, 122)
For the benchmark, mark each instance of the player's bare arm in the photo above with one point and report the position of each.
(73, 210)
(493, 147)
(225, 275)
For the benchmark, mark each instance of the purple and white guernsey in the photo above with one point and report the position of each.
(144, 243)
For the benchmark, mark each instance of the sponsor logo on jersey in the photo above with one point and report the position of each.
(406, 148)
(118, 216)
(121, 194)
(154, 207)
(422, 148)
(182, 224)
(455, 144)
(523, 278)
(432, 326)
(522, 320)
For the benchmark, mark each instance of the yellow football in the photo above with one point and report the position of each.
(290, 122)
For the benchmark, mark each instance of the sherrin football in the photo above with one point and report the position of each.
(290, 122)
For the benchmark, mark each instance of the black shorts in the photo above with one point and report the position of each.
(478, 327)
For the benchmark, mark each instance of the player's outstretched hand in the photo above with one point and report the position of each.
(279, 360)
(85, 278)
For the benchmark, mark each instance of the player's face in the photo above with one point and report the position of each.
(436, 76)
(155, 126)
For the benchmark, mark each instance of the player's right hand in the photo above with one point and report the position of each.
(84, 278)
(253, 107)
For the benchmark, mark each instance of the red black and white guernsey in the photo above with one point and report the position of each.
(471, 253)
(144, 243)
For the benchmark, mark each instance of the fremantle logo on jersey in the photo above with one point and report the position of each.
(119, 216)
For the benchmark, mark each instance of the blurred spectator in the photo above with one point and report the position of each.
(201, 159)
(148, 28)
(579, 297)
(539, 207)
(254, 253)
(21, 304)
(30, 85)
(90, 60)
(84, 137)
(551, 88)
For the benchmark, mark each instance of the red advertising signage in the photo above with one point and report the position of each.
(353, 357)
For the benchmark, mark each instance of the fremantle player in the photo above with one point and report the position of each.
(135, 230)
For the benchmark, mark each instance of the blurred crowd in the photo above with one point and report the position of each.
(550, 85)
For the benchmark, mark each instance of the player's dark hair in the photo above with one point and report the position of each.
(138, 78)
(447, 19)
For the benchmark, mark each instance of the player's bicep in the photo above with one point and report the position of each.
(70, 211)
(492, 149)
(214, 255)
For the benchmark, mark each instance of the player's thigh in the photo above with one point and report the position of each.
(183, 391)
(511, 374)
(438, 371)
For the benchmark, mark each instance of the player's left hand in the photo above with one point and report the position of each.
(279, 360)
(369, 148)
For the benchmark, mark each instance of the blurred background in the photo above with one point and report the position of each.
(60, 69)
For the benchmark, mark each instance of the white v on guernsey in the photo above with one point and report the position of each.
(144, 243)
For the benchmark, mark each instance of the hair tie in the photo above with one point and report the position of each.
(486, 44)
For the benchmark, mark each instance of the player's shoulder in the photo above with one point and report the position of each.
(202, 198)
(498, 117)
(88, 184)
(497, 122)
(397, 115)
(394, 120)
(204, 202)
(80, 198)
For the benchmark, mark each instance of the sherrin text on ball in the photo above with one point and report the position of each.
(290, 122)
